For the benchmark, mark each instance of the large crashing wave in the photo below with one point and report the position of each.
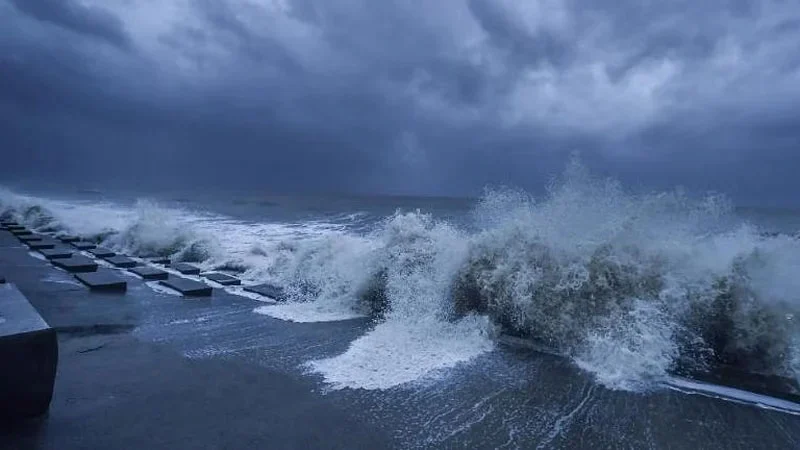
(635, 286)
(631, 286)
(157, 231)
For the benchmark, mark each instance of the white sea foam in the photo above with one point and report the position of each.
(630, 286)
(307, 313)
(236, 290)
(56, 280)
(732, 394)
(37, 255)
(396, 353)
(158, 287)
(419, 258)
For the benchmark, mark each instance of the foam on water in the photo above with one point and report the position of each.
(57, 280)
(307, 313)
(158, 287)
(37, 255)
(632, 287)
(237, 290)
(396, 353)
(732, 395)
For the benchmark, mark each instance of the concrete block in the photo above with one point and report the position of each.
(76, 264)
(2, 279)
(15, 227)
(22, 232)
(159, 260)
(268, 290)
(68, 239)
(43, 244)
(150, 273)
(121, 261)
(187, 287)
(8, 223)
(102, 280)
(29, 355)
(83, 245)
(186, 269)
(56, 253)
(30, 238)
(223, 279)
(101, 252)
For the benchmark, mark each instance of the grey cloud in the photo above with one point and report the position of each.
(226, 27)
(69, 14)
(525, 46)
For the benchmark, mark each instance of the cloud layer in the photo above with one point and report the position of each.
(403, 96)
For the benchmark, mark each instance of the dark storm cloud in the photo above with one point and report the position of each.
(411, 96)
(525, 46)
(92, 21)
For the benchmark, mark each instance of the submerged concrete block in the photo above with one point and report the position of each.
(29, 355)
(76, 264)
(43, 244)
(103, 280)
(160, 260)
(101, 252)
(68, 239)
(121, 261)
(150, 273)
(187, 287)
(268, 290)
(56, 253)
(223, 279)
(21, 232)
(15, 227)
(83, 245)
(2, 279)
(186, 269)
(8, 223)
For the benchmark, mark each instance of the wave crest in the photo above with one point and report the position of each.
(157, 231)
(631, 286)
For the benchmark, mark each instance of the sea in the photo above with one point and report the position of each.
(632, 287)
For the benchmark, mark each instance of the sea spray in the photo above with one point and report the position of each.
(631, 286)
(416, 337)
(158, 231)
(146, 229)
(634, 286)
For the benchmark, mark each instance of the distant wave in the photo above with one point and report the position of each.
(631, 287)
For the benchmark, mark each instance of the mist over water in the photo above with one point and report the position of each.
(632, 287)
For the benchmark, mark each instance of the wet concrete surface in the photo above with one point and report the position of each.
(146, 369)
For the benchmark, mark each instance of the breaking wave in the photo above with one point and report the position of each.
(145, 229)
(156, 231)
(632, 287)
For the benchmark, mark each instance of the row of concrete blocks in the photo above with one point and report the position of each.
(86, 270)
(29, 346)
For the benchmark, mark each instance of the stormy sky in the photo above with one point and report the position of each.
(416, 97)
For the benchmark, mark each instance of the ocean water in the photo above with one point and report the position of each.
(632, 287)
